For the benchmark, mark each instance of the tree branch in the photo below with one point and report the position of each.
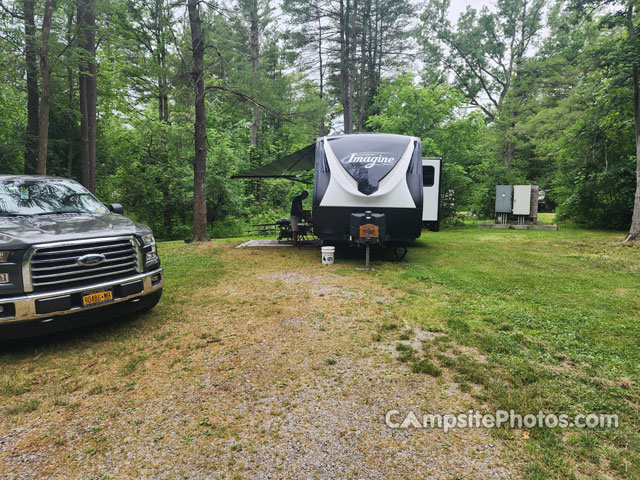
(249, 99)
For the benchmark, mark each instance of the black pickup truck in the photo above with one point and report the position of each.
(66, 260)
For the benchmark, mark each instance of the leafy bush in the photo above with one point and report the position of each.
(600, 199)
(227, 228)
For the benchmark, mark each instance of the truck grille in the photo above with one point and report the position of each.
(56, 266)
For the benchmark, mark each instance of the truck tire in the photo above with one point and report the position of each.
(151, 300)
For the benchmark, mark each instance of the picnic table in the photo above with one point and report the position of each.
(305, 231)
(282, 228)
(262, 229)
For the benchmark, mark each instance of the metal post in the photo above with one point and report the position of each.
(367, 268)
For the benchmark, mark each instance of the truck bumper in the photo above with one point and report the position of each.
(39, 309)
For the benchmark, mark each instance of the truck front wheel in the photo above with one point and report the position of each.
(151, 300)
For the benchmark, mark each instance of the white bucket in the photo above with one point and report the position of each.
(328, 254)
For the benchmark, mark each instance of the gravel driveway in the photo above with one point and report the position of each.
(277, 369)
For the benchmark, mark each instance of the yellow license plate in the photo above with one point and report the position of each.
(97, 298)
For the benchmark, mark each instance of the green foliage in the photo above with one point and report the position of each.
(560, 110)
(582, 126)
(433, 113)
(12, 125)
(499, 103)
(13, 115)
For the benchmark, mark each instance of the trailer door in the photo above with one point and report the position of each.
(431, 176)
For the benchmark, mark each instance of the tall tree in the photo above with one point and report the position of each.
(145, 29)
(310, 40)
(88, 90)
(200, 233)
(485, 52)
(33, 95)
(45, 96)
(634, 230)
(364, 30)
(71, 124)
(360, 39)
(625, 63)
(160, 31)
(345, 72)
(254, 43)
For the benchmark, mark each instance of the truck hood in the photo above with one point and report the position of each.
(22, 232)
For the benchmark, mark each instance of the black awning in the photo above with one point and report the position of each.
(284, 167)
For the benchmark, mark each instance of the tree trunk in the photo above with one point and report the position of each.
(84, 132)
(255, 66)
(31, 58)
(508, 154)
(372, 69)
(160, 29)
(380, 51)
(344, 65)
(363, 63)
(634, 231)
(321, 66)
(200, 233)
(351, 69)
(161, 25)
(163, 112)
(70, 95)
(254, 42)
(88, 88)
(70, 124)
(517, 90)
(45, 99)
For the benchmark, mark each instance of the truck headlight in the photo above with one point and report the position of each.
(4, 278)
(151, 256)
(148, 239)
(149, 247)
(3, 256)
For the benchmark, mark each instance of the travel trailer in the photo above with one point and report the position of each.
(367, 188)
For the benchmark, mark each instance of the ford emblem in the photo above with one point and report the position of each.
(91, 259)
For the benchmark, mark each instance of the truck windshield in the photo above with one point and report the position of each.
(46, 197)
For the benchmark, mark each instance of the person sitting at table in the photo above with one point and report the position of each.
(297, 214)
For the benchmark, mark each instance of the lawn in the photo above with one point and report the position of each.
(558, 316)
(264, 362)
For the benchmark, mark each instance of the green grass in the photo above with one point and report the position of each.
(546, 217)
(24, 407)
(557, 315)
(425, 366)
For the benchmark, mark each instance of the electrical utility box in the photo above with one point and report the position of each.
(431, 176)
(504, 198)
(522, 199)
(517, 203)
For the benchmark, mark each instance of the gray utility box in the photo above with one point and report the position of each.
(521, 199)
(504, 198)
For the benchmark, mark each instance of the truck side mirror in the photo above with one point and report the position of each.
(116, 208)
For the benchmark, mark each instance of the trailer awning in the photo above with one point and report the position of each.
(285, 167)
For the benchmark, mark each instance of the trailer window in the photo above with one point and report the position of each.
(428, 176)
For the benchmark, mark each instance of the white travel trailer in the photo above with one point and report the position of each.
(367, 188)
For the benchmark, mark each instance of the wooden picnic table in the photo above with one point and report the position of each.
(263, 229)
